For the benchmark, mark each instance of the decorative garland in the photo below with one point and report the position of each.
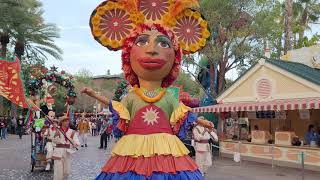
(41, 75)
(121, 90)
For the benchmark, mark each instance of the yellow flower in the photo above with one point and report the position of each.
(114, 44)
(105, 41)
(182, 45)
(202, 42)
(133, 17)
(95, 20)
(101, 10)
(140, 21)
(188, 12)
(110, 5)
(196, 15)
(97, 32)
(204, 24)
(205, 33)
(194, 47)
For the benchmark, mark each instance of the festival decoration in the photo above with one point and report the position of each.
(121, 90)
(43, 77)
(153, 35)
(44, 84)
(11, 86)
(113, 21)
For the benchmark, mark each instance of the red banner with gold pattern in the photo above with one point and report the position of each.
(11, 86)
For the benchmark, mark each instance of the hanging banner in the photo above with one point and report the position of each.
(11, 86)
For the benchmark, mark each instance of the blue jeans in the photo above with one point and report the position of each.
(4, 133)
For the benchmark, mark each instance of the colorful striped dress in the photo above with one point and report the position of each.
(149, 147)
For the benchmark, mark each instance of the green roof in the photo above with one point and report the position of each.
(299, 69)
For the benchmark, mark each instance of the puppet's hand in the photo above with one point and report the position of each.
(88, 91)
(205, 123)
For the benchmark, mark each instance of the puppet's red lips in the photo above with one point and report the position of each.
(152, 64)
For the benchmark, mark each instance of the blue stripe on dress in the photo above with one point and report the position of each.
(181, 175)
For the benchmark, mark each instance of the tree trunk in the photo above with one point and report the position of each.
(4, 40)
(222, 73)
(19, 49)
(288, 28)
(212, 78)
(303, 25)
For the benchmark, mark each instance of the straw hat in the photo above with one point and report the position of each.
(63, 118)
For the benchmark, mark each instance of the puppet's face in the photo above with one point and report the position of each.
(152, 56)
(51, 115)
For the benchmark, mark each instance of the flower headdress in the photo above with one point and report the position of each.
(113, 21)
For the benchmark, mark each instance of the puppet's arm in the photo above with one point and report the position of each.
(93, 94)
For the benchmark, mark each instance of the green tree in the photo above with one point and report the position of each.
(21, 23)
(189, 85)
(83, 78)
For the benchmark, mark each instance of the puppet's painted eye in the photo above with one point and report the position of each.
(164, 44)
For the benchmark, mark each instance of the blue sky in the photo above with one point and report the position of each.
(81, 51)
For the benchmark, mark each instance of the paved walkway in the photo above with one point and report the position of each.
(87, 162)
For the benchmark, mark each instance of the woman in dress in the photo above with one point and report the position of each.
(153, 35)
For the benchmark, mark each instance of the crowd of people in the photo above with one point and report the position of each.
(95, 126)
(12, 125)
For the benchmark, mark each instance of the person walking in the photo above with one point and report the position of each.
(2, 127)
(202, 146)
(20, 125)
(103, 137)
(83, 128)
(63, 150)
(93, 128)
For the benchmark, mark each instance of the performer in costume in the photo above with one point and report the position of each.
(202, 146)
(63, 150)
(49, 134)
(152, 35)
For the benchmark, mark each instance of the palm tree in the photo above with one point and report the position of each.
(22, 23)
(37, 42)
(306, 11)
(288, 26)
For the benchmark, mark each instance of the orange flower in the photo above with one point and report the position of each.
(188, 12)
(202, 42)
(110, 5)
(96, 32)
(95, 20)
(204, 24)
(105, 41)
(182, 45)
(114, 44)
(101, 10)
(205, 33)
(196, 15)
(194, 47)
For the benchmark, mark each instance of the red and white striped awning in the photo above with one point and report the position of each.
(276, 105)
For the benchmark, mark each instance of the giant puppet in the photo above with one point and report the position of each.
(153, 35)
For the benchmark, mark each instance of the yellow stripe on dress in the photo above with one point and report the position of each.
(179, 113)
(136, 145)
(121, 110)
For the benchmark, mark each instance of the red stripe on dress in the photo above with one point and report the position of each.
(145, 166)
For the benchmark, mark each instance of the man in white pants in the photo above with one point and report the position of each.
(202, 147)
(49, 133)
(64, 149)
